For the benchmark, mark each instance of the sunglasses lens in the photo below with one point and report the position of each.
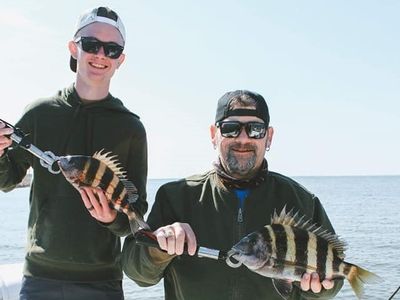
(112, 50)
(230, 129)
(255, 130)
(90, 45)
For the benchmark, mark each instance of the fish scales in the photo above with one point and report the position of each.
(290, 247)
(301, 241)
(99, 175)
(322, 254)
(91, 169)
(103, 171)
(299, 249)
(106, 179)
(281, 247)
(311, 250)
(100, 179)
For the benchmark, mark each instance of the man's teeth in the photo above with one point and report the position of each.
(98, 66)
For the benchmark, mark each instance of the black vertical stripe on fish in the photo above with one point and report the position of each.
(336, 262)
(267, 238)
(118, 190)
(322, 251)
(301, 242)
(91, 171)
(106, 178)
(272, 243)
(281, 245)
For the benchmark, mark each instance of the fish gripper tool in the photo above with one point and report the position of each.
(147, 238)
(47, 158)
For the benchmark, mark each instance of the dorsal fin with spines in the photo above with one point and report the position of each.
(110, 161)
(290, 219)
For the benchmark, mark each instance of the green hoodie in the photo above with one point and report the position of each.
(64, 241)
(219, 221)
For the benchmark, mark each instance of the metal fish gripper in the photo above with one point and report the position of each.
(47, 158)
(147, 238)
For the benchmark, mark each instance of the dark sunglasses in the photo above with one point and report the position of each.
(90, 44)
(232, 129)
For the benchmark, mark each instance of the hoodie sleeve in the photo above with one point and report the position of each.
(14, 163)
(137, 166)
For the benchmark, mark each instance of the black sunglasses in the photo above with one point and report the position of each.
(90, 44)
(232, 129)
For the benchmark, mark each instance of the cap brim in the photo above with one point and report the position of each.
(72, 64)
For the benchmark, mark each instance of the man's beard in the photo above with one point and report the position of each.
(243, 168)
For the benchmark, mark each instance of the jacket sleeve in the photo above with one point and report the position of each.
(14, 163)
(321, 218)
(146, 265)
(120, 226)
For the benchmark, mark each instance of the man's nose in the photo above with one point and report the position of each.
(243, 134)
(101, 51)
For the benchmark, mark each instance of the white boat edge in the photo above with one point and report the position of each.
(10, 281)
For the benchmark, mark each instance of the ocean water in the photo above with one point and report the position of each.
(363, 209)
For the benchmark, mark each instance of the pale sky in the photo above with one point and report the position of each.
(330, 71)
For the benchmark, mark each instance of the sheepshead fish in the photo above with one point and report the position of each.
(102, 170)
(290, 247)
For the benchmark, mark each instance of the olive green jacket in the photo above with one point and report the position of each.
(64, 241)
(213, 213)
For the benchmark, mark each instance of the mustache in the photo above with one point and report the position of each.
(243, 147)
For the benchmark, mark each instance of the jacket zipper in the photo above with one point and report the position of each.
(240, 215)
(240, 225)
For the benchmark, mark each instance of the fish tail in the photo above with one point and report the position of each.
(358, 276)
(136, 222)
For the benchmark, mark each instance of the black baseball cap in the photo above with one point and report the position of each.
(224, 112)
(98, 14)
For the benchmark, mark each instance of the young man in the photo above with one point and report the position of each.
(74, 239)
(218, 208)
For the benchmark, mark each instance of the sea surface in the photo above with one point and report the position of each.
(363, 209)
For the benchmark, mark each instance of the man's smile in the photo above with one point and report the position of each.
(97, 65)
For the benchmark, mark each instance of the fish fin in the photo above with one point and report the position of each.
(131, 191)
(283, 287)
(358, 276)
(110, 161)
(294, 220)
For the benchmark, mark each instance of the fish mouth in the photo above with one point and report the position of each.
(63, 162)
(237, 253)
(240, 251)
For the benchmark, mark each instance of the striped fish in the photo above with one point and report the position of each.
(290, 247)
(102, 170)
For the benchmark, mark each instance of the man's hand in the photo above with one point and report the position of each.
(5, 142)
(97, 206)
(172, 238)
(312, 281)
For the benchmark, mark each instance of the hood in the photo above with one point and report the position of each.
(70, 97)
